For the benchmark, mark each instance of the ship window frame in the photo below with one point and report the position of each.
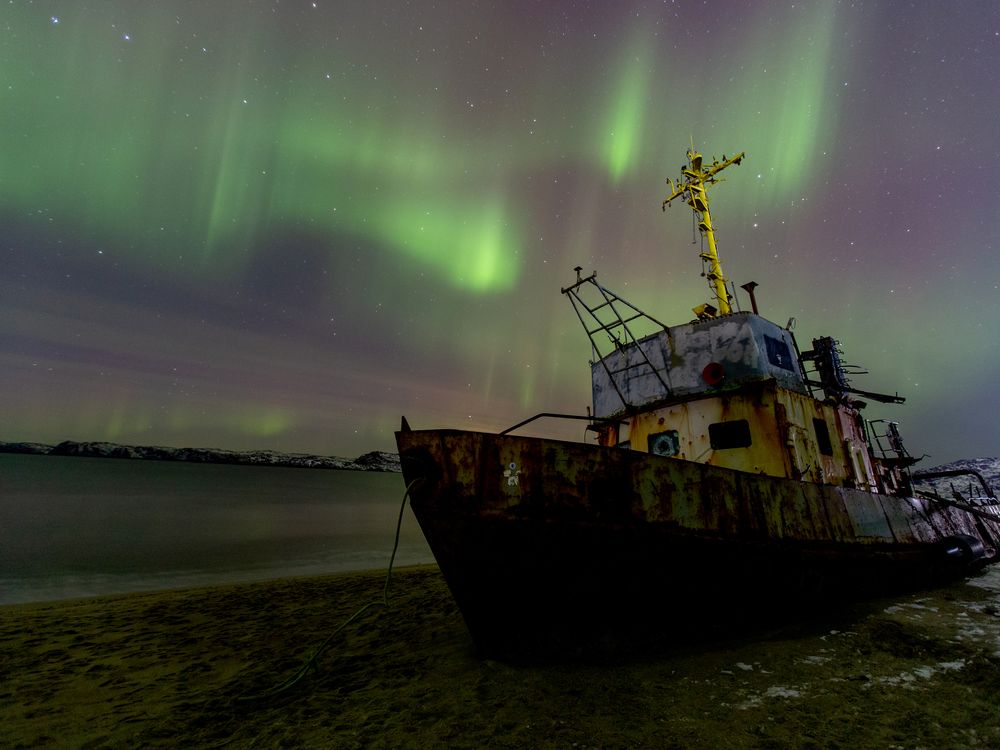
(823, 442)
(734, 433)
(675, 441)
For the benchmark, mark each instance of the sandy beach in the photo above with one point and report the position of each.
(175, 669)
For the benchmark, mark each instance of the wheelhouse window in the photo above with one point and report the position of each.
(778, 353)
(666, 443)
(732, 434)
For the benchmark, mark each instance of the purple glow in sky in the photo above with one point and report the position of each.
(263, 224)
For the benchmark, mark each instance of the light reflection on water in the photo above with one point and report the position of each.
(73, 527)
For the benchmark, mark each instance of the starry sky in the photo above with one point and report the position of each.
(284, 223)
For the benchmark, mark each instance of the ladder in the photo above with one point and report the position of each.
(608, 315)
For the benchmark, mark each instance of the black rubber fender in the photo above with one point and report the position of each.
(964, 548)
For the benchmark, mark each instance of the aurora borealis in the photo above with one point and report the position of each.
(283, 224)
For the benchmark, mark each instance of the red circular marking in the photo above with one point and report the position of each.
(714, 373)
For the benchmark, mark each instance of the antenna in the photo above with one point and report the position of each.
(695, 179)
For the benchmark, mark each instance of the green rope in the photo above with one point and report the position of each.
(310, 663)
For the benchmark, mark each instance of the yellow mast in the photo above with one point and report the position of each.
(692, 186)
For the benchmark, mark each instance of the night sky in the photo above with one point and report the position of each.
(283, 224)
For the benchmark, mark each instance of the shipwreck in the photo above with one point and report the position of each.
(729, 472)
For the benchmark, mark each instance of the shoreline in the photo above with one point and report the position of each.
(171, 669)
(183, 582)
(375, 461)
(189, 588)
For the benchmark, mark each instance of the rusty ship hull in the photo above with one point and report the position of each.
(558, 547)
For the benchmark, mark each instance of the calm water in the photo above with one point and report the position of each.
(73, 527)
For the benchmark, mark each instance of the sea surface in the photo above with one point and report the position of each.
(74, 527)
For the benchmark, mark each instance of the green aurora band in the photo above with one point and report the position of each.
(422, 179)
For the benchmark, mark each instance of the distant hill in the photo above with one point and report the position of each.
(374, 461)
